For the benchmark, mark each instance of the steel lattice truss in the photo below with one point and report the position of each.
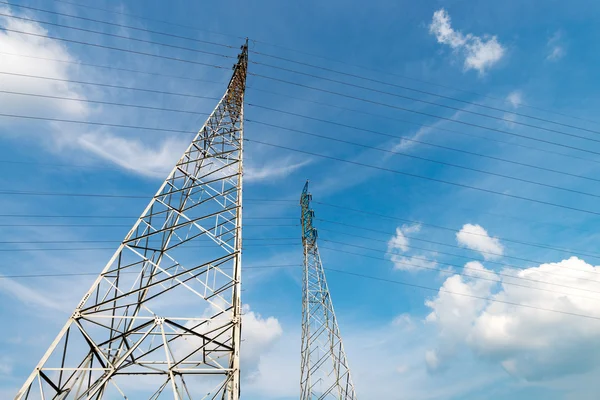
(163, 318)
(324, 371)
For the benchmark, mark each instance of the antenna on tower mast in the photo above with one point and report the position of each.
(324, 367)
(159, 321)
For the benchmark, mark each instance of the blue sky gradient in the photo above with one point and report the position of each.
(403, 342)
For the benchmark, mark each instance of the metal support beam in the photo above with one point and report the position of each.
(160, 320)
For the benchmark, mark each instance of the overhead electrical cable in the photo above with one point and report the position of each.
(442, 290)
(346, 109)
(404, 154)
(387, 83)
(476, 277)
(168, 34)
(442, 118)
(375, 214)
(418, 176)
(345, 63)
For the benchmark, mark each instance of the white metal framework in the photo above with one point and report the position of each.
(324, 370)
(163, 319)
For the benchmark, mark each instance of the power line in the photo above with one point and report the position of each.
(362, 99)
(411, 139)
(379, 71)
(306, 53)
(461, 294)
(116, 49)
(343, 82)
(327, 138)
(322, 156)
(148, 19)
(325, 78)
(111, 24)
(110, 86)
(344, 273)
(301, 116)
(462, 185)
(111, 103)
(113, 248)
(429, 260)
(126, 272)
(115, 68)
(106, 216)
(410, 246)
(443, 244)
(471, 276)
(326, 157)
(428, 159)
(345, 95)
(118, 36)
(116, 241)
(532, 244)
(577, 252)
(118, 226)
(417, 91)
(436, 128)
(290, 129)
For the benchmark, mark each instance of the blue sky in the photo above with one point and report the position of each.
(402, 342)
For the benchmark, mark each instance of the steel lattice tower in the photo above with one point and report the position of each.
(163, 318)
(324, 371)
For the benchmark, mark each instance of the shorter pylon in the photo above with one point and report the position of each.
(324, 371)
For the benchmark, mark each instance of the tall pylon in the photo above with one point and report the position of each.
(163, 318)
(324, 370)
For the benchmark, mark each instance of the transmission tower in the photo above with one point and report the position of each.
(324, 371)
(163, 318)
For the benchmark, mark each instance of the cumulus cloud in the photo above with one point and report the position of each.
(556, 50)
(400, 241)
(476, 238)
(528, 343)
(480, 53)
(259, 335)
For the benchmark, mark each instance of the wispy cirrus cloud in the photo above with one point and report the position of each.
(556, 49)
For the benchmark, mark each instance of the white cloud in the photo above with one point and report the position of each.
(556, 50)
(476, 238)
(480, 53)
(528, 343)
(259, 335)
(432, 361)
(411, 263)
(273, 170)
(400, 241)
(133, 154)
(515, 98)
(143, 155)
(402, 369)
(29, 296)
(404, 321)
(6, 366)
(16, 43)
